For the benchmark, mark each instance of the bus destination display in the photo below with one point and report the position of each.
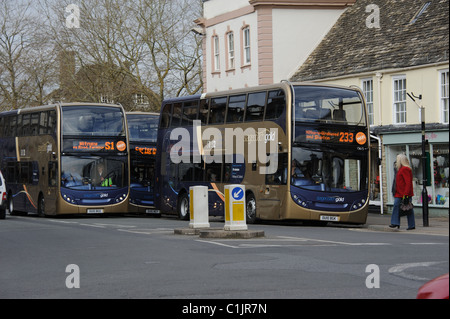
(330, 136)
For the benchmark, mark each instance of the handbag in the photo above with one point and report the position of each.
(406, 206)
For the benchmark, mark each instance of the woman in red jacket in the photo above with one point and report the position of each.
(403, 189)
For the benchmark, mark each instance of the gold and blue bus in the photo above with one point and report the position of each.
(65, 159)
(143, 133)
(316, 167)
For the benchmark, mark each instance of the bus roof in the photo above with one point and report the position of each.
(283, 84)
(53, 106)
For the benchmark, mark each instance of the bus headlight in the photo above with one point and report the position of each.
(121, 198)
(300, 201)
(69, 199)
(358, 204)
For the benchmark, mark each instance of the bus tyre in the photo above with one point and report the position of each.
(183, 207)
(41, 206)
(250, 208)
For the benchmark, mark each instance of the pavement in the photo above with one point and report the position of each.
(436, 225)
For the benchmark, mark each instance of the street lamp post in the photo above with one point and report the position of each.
(424, 161)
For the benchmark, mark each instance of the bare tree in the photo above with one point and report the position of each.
(141, 46)
(14, 41)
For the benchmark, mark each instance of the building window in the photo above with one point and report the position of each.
(400, 100)
(230, 39)
(139, 99)
(106, 98)
(437, 172)
(368, 93)
(216, 50)
(444, 96)
(247, 51)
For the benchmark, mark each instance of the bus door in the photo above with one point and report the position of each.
(169, 181)
(273, 190)
(52, 183)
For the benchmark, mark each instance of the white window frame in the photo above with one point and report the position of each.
(399, 99)
(231, 53)
(247, 46)
(216, 52)
(444, 96)
(367, 87)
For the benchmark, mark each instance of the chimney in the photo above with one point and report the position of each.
(66, 69)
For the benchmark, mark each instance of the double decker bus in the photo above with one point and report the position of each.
(301, 150)
(65, 159)
(143, 133)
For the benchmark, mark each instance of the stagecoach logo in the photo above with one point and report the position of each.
(330, 199)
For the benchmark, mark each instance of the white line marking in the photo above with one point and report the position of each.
(399, 269)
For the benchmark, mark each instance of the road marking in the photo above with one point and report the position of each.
(427, 244)
(399, 270)
(92, 225)
(216, 243)
(283, 241)
(339, 242)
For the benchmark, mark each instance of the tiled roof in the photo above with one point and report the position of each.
(351, 47)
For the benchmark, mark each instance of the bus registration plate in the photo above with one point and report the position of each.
(152, 211)
(329, 218)
(95, 211)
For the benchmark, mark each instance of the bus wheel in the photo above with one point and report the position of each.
(41, 206)
(183, 207)
(250, 208)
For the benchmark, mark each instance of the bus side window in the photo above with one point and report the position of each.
(280, 176)
(190, 110)
(51, 124)
(34, 124)
(43, 122)
(176, 115)
(256, 104)
(236, 107)
(204, 111)
(165, 116)
(276, 104)
(26, 119)
(12, 131)
(52, 168)
(217, 113)
(213, 172)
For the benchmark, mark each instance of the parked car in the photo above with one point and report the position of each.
(3, 197)
(435, 289)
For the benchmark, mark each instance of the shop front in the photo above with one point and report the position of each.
(437, 154)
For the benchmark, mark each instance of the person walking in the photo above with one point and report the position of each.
(403, 191)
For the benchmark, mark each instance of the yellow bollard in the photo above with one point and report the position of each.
(235, 208)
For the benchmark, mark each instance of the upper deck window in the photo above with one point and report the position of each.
(92, 121)
(329, 105)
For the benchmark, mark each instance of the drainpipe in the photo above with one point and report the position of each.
(380, 172)
(379, 76)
